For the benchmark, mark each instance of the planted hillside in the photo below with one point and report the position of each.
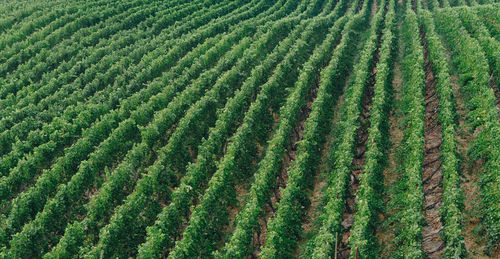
(250, 129)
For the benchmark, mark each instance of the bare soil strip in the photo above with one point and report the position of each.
(471, 171)
(384, 231)
(289, 156)
(474, 241)
(357, 166)
(310, 223)
(432, 173)
(359, 160)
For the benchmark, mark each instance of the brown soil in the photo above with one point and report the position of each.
(474, 242)
(358, 161)
(242, 190)
(374, 8)
(469, 184)
(384, 231)
(356, 167)
(289, 156)
(321, 179)
(316, 198)
(432, 174)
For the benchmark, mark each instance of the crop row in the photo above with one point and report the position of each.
(43, 104)
(323, 244)
(451, 210)
(140, 96)
(362, 240)
(217, 183)
(43, 153)
(190, 129)
(409, 217)
(482, 114)
(117, 73)
(207, 85)
(241, 239)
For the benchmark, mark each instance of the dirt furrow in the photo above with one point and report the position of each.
(310, 224)
(358, 162)
(385, 231)
(432, 174)
(356, 170)
(474, 242)
(288, 158)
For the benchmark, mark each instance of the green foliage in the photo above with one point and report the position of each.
(451, 210)
(240, 242)
(128, 128)
(136, 157)
(409, 218)
(171, 162)
(482, 115)
(324, 242)
(35, 102)
(220, 184)
(490, 46)
(179, 48)
(121, 88)
(362, 238)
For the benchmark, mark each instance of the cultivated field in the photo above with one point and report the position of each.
(250, 128)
